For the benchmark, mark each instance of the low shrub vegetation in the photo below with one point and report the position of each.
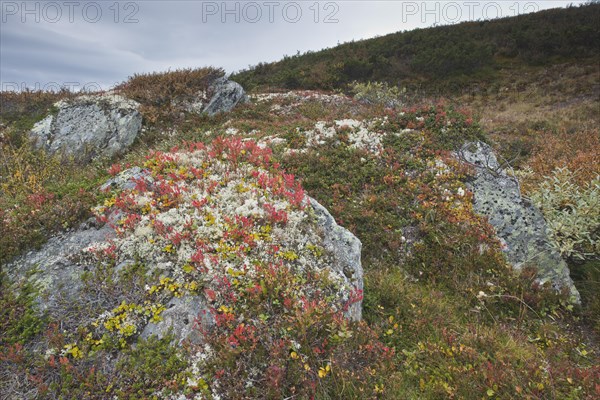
(444, 316)
(164, 94)
(40, 195)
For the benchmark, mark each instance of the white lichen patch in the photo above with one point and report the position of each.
(284, 103)
(366, 135)
(211, 216)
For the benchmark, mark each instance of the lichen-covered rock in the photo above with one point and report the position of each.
(90, 126)
(203, 223)
(226, 95)
(519, 225)
(346, 249)
(126, 180)
(53, 269)
(185, 317)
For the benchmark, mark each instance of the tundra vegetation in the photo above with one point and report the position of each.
(444, 316)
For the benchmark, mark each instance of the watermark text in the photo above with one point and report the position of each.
(69, 11)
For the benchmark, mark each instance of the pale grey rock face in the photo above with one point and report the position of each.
(519, 225)
(226, 95)
(57, 272)
(346, 249)
(60, 267)
(90, 126)
(127, 179)
(185, 317)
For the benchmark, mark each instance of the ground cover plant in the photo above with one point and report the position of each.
(444, 316)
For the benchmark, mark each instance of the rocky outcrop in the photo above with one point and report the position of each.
(221, 96)
(52, 268)
(90, 126)
(105, 125)
(226, 95)
(310, 239)
(519, 225)
(346, 249)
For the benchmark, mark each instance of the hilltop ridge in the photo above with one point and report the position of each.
(442, 59)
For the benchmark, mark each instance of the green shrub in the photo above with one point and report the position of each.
(572, 213)
(378, 93)
(19, 318)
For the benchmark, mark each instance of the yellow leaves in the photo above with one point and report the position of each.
(169, 249)
(225, 310)
(323, 371)
(202, 384)
(146, 208)
(289, 255)
(90, 339)
(163, 280)
(393, 328)
(235, 273)
(241, 188)
(188, 269)
(225, 248)
(156, 311)
(72, 350)
(25, 171)
(210, 219)
(166, 283)
(110, 202)
(182, 170)
(114, 323)
(294, 355)
(175, 289)
(264, 234)
(127, 330)
(126, 316)
(192, 286)
(317, 251)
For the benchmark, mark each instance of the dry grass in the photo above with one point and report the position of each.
(562, 96)
(161, 92)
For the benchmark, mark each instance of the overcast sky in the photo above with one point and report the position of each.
(46, 44)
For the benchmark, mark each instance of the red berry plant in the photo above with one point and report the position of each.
(224, 223)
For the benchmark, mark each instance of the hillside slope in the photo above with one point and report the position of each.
(444, 315)
(443, 58)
